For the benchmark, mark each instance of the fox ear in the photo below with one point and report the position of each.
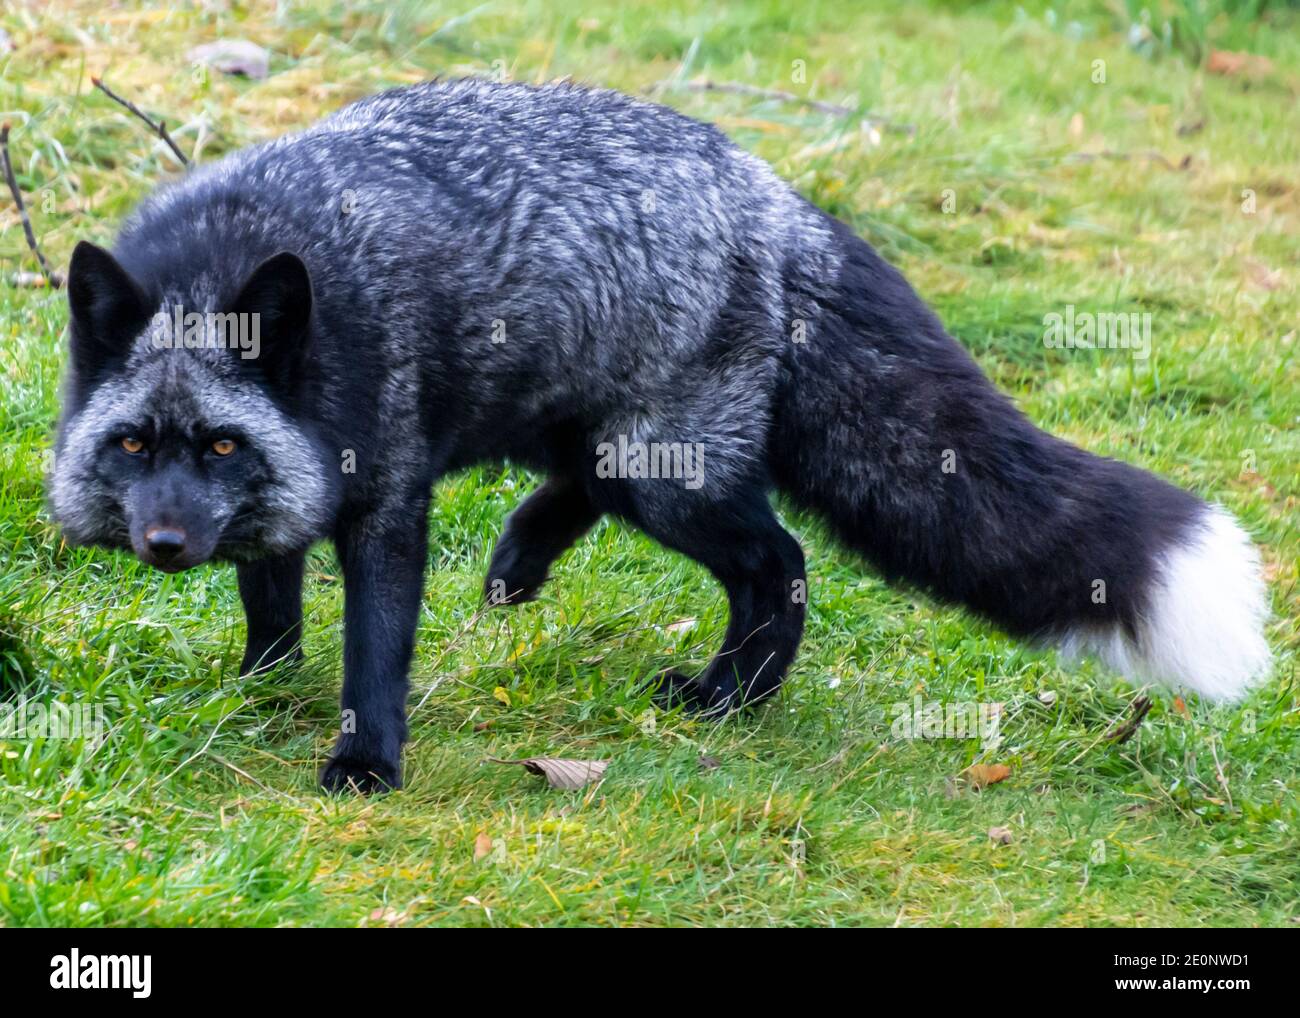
(279, 292)
(108, 307)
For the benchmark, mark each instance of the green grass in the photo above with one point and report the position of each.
(200, 806)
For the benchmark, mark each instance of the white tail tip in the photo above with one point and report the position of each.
(1204, 626)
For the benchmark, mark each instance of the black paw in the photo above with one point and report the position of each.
(673, 689)
(363, 777)
(513, 577)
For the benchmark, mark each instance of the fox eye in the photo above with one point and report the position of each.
(223, 447)
(132, 445)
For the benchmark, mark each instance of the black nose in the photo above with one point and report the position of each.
(164, 544)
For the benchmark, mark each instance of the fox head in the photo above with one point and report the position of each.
(176, 439)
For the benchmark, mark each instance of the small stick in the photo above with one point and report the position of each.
(159, 127)
(740, 88)
(1087, 157)
(55, 279)
(1123, 732)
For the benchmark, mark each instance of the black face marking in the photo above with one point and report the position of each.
(185, 444)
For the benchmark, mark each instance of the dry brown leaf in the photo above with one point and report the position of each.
(1230, 63)
(1262, 276)
(983, 775)
(482, 845)
(1000, 835)
(564, 774)
(1255, 481)
(1225, 62)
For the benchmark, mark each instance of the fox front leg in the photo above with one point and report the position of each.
(271, 589)
(383, 575)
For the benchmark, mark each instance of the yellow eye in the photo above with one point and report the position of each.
(132, 445)
(223, 447)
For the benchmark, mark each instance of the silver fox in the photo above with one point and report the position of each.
(460, 272)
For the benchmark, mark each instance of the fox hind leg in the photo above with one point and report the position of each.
(761, 568)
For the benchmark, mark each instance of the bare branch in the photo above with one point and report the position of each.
(158, 127)
(54, 279)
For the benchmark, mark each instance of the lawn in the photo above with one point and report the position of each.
(1010, 175)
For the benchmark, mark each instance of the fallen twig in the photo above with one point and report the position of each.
(1123, 732)
(158, 127)
(1155, 157)
(740, 88)
(52, 278)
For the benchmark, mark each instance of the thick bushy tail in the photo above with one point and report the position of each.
(889, 430)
